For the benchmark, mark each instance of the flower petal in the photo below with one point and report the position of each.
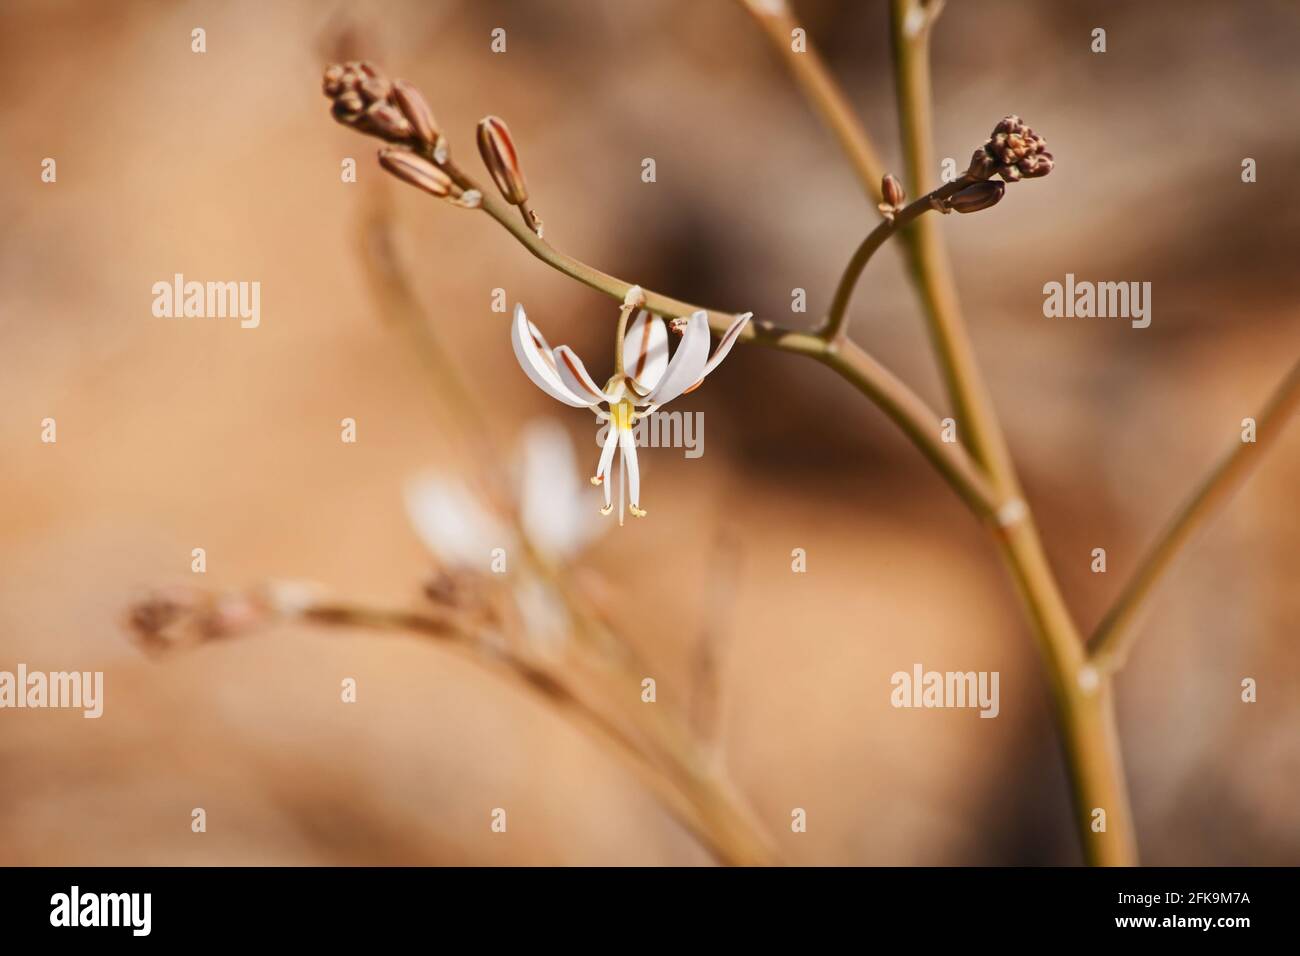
(575, 378)
(536, 360)
(687, 363)
(645, 350)
(725, 343)
(627, 445)
(607, 459)
(552, 495)
(452, 523)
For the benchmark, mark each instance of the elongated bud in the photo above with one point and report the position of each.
(418, 171)
(892, 190)
(388, 121)
(499, 155)
(979, 196)
(416, 111)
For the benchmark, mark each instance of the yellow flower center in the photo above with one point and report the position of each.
(621, 414)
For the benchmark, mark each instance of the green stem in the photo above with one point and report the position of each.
(1083, 700)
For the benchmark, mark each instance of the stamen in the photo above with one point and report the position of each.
(637, 512)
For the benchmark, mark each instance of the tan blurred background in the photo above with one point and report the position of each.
(175, 434)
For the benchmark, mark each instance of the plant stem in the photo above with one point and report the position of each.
(837, 317)
(928, 258)
(1117, 631)
(817, 83)
(916, 421)
(694, 796)
(1082, 703)
(1083, 700)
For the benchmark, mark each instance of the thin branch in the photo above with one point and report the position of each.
(917, 422)
(693, 795)
(826, 95)
(1117, 631)
(911, 21)
(837, 317)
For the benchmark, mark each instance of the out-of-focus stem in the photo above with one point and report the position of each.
(698, 799)
(1117, 631)
(827, 96)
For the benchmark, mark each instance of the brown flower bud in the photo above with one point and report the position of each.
(892, 190)
(332, 81)
(349, 105)
(978, 196)
(418, 171)
(416, 111)
(388, 121)
(499, 155)
(1013, 151)
(376, 89)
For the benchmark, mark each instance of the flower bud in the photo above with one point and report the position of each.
(416, 111)
(892, 190)
(388, 121)
(418, 171)
(498, 150)
(349, 105)
(1013, 151)
(332, 81)
(376, 89)
(978, 196)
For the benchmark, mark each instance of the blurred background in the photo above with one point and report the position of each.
(176, 434)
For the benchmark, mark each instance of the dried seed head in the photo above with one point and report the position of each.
(416, 111)
(978, 196)
(419, 172)
(1013, 151)
(502, 160)
(892, 190)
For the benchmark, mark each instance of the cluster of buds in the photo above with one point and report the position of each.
(183, 616)
(891, 190)
(1014, 152)
(365, 99)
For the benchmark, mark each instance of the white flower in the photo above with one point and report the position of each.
(461, 531)
(644, 380)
